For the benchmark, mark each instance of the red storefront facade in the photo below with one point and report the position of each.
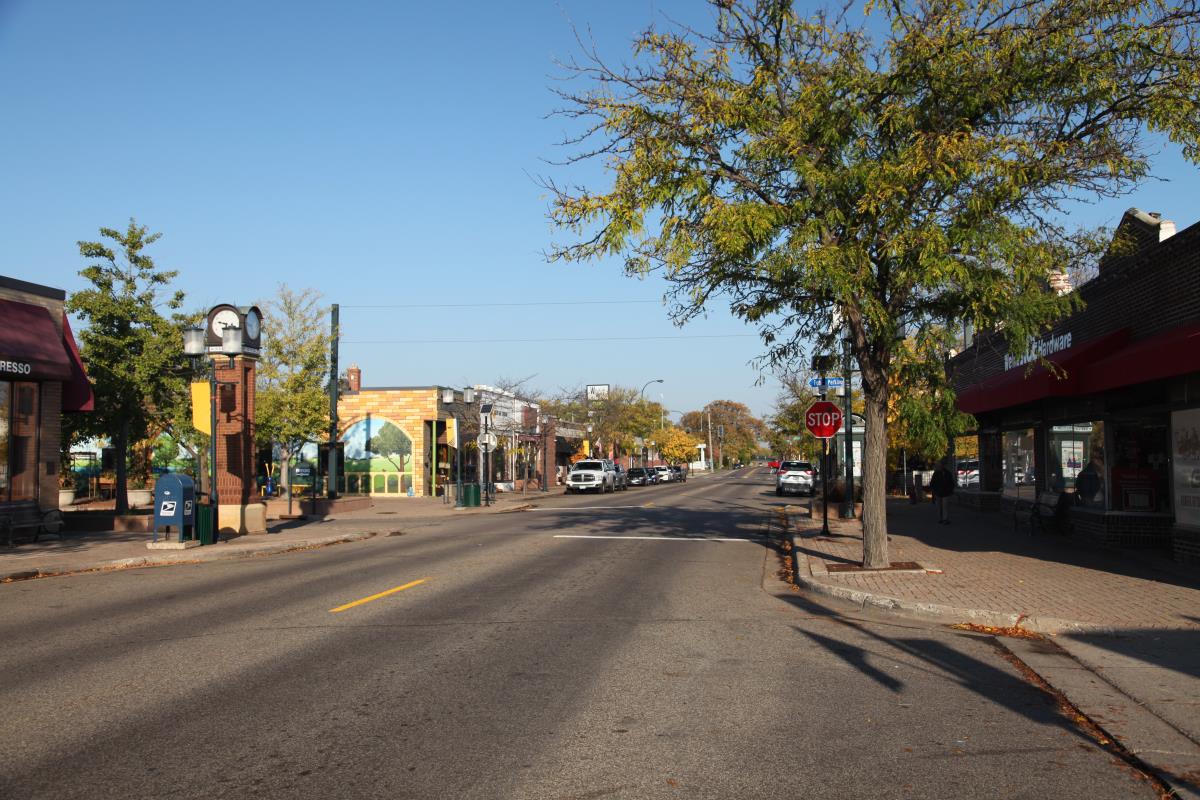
(1115, 424)
(41, 376)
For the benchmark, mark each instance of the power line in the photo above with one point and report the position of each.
(545, 340)
(502, 305)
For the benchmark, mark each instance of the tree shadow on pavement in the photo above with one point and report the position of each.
(1003, 687)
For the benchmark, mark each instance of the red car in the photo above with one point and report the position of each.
(774, 465)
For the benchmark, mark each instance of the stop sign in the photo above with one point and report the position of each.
(823, 419)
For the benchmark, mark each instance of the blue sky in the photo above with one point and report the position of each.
(383, 153)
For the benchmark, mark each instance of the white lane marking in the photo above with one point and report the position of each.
(652, 538)
(587, 508)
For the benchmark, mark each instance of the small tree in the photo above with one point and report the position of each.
(676, 446)
(132, 351)
(292, 403)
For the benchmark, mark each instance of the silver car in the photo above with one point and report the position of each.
(794, 477)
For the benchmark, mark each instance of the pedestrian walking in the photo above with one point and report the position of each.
(942, 485)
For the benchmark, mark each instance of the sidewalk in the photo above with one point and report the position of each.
(1123, 627)
(81, 552)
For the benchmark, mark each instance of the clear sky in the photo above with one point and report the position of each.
(383, 153)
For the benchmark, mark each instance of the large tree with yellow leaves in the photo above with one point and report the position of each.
(895, 172)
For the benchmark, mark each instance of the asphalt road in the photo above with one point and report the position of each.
(664, 660)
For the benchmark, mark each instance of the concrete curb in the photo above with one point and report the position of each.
(187, 556)
(937, 612)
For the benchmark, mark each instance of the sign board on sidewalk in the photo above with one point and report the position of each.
(823, 419)
(487, 440)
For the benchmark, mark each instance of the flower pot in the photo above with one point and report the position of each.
(65, 497)
(139, 497)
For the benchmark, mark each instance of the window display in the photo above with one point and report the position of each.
(1075, 462)
(1185, 428)
(18, 441)
(1139, 472)
(1019, 464)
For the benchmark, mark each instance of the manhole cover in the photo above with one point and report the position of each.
(897, 566)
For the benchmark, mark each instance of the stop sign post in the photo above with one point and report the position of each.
(823, 420)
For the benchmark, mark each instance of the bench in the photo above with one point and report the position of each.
(30, 518)
(1049, 512)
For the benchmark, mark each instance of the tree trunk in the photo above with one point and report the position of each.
(121, 452)
(874, 476)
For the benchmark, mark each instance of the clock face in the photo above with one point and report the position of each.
(253, 325)
(225, 318)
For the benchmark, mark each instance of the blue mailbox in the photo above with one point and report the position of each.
(175, 505)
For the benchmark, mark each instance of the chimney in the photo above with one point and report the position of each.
(354, 377)
(1137, 231)
(1060, 282)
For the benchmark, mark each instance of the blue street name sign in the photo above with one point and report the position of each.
(829, 382)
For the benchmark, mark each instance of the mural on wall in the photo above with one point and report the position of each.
(379, 457)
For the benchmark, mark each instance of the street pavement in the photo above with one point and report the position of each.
(631, 645)
(1122, 627)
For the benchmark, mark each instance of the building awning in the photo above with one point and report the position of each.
(1026, 384)
(31, 347)
(77, 391)
(1176, 352)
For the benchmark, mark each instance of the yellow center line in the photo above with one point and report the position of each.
(647, 505)
(377, 596)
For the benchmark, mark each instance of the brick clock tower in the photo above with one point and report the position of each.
(239, 507)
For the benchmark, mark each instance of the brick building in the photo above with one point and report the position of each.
(404, 440)
(1116, 425)
(41, 376)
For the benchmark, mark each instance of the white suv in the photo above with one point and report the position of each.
(592, 474)
(794, 476)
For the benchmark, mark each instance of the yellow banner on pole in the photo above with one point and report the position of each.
(451, 431)
(202, 407)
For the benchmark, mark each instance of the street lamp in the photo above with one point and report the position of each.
(485, 414)
(642, 393)
(194, 348)
(846, 511)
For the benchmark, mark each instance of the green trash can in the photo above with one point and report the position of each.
(471, 495)
(204, 524)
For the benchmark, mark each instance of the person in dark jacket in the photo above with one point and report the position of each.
(942, 485)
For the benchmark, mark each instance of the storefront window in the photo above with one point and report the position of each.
(1140, 464)
(1019, 464)
(1075, 462)
(5, 415)
(18, 441)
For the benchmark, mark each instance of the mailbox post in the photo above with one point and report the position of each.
(175, 510)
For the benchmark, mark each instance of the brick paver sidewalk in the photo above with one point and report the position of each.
(987, 565)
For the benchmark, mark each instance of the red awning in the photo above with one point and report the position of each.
(1023, 384)
(1176, 352)
(77, 391)
(30, 345)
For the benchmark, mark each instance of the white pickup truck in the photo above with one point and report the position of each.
(592, 475)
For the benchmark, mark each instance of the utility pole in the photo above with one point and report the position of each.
(711, 453)
(331, 471)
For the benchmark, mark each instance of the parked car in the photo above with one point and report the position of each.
(678, 473)
(738, 465)
(774, 465)
(664, 474)
(968, 473)
(621, 482)
(795, 477)
(652, 476)
(638, 476)
(592, 474)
